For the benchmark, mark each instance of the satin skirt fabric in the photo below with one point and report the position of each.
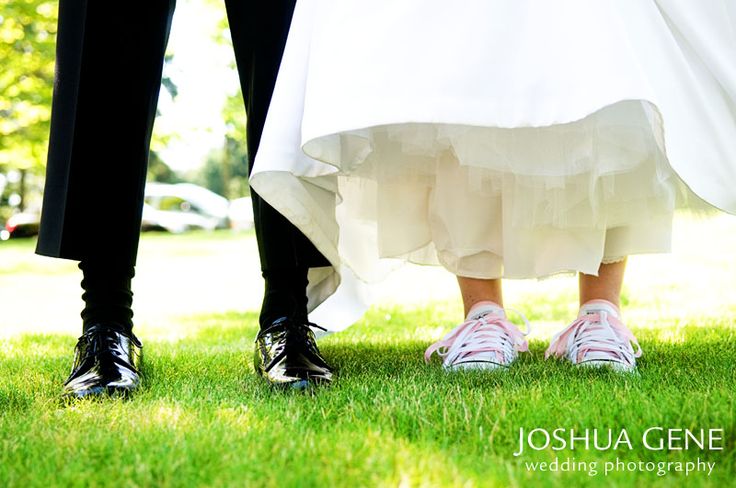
(499, 139)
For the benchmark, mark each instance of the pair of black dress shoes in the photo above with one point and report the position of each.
(107, 360)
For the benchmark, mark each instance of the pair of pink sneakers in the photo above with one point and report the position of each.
(488, 340)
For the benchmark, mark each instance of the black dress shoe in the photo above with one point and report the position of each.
(287, 355)
(106, 361)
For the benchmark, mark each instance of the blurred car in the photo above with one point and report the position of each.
(22, 224)
(184, 206)
(172, 208)
(241, 214)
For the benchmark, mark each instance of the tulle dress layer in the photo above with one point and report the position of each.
(498, 139)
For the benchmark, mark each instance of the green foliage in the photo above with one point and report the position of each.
(160, 172)
(27, 53)
(226, 169)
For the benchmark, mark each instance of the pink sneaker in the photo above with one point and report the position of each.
(597, 338)
(486, 340)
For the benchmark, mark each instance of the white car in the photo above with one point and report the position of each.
(184, 206)
(241, 214)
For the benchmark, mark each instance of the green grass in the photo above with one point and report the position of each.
(203, 418)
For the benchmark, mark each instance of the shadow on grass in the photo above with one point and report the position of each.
(378, 356)
(216, 363)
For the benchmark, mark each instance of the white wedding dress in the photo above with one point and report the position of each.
(498, 138)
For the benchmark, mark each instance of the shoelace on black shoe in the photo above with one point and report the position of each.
(98, 339)
(297, 334)
(290, 325)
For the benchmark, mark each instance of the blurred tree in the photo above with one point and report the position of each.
(27, 51)
(158, 170)
(226, 169)
(235, 151)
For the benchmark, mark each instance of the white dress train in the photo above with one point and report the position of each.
(497, 138)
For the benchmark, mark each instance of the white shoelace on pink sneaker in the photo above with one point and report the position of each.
(486, 338)
(597, 337)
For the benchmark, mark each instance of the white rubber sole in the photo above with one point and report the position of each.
(476, 366)
(613, 365)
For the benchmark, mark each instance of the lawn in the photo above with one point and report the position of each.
(202, 418)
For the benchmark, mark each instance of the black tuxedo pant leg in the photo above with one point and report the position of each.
(259, 31)
(109, 63)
